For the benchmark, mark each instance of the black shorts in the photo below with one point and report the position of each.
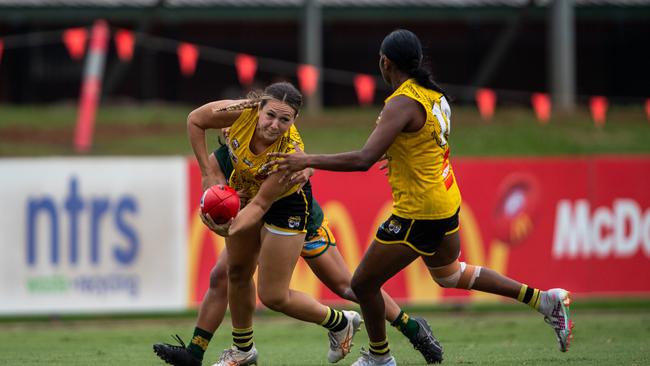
(423, 236)
(289, 214)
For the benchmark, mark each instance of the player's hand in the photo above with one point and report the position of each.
(300, 177)
(287, 164)
(219, 229)
(384, 164)
(225, 132)
(210, 180)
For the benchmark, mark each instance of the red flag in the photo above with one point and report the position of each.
(486, 99)
(598, 106)
(308, 79)
(75, 41)
(124, 42)
(365, 87)
(647, 108)
(246, 68)
(542, 106)
(188, 54)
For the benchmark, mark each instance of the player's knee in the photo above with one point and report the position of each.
(239, 273)
(456, 275)
(344, 291)
(362, 286)
(274, 300)
(219, 278)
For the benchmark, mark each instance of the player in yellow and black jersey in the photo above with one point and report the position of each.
(413, 132)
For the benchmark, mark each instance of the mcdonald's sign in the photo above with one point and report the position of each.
(578, 223)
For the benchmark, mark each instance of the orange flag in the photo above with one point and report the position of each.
(124, 42)
(486, 100)
(246, 68)
(188, 54)
(647, 108)
(542, 106)
(308, 79)
(75, 41)
(365, 88)
(598, 106)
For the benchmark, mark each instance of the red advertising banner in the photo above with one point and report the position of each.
(578, 223)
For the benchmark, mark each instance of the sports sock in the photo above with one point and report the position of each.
(199, 342)
(335, 320)
(406, 325)
(242, 338)
(530, 296)
(379, 348)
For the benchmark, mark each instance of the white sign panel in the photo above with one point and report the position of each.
(92, 235)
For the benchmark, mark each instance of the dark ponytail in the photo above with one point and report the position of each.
(424, 77)
(404, 49)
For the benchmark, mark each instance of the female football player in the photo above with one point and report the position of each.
(413, 131)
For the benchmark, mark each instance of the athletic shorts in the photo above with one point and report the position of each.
(288, 215)
(319, 242)
(423, 236)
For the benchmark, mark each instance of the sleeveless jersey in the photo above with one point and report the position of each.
(420, 174)
(316, 216)
(248, 174)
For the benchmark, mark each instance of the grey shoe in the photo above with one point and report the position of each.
(426, 343)
(368, 359)
(234, 357)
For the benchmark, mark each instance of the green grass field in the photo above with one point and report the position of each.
(509, 335)
(160, 130)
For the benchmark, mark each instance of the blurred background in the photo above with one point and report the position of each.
(101, 249)
(517, 46)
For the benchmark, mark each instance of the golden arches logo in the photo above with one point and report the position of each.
(338, 217)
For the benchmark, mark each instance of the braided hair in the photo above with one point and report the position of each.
(283, 91)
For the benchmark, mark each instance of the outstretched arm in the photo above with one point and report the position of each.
(269, 191)
(393, 119)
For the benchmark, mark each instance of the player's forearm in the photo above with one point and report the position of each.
(247, 217)
(342, 162)
(196, 135)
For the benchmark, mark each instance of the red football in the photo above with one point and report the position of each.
(221, 202)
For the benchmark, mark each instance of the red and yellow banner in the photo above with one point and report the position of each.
(578, 223)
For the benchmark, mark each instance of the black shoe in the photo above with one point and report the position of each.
(426, 343)
(176, 355)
